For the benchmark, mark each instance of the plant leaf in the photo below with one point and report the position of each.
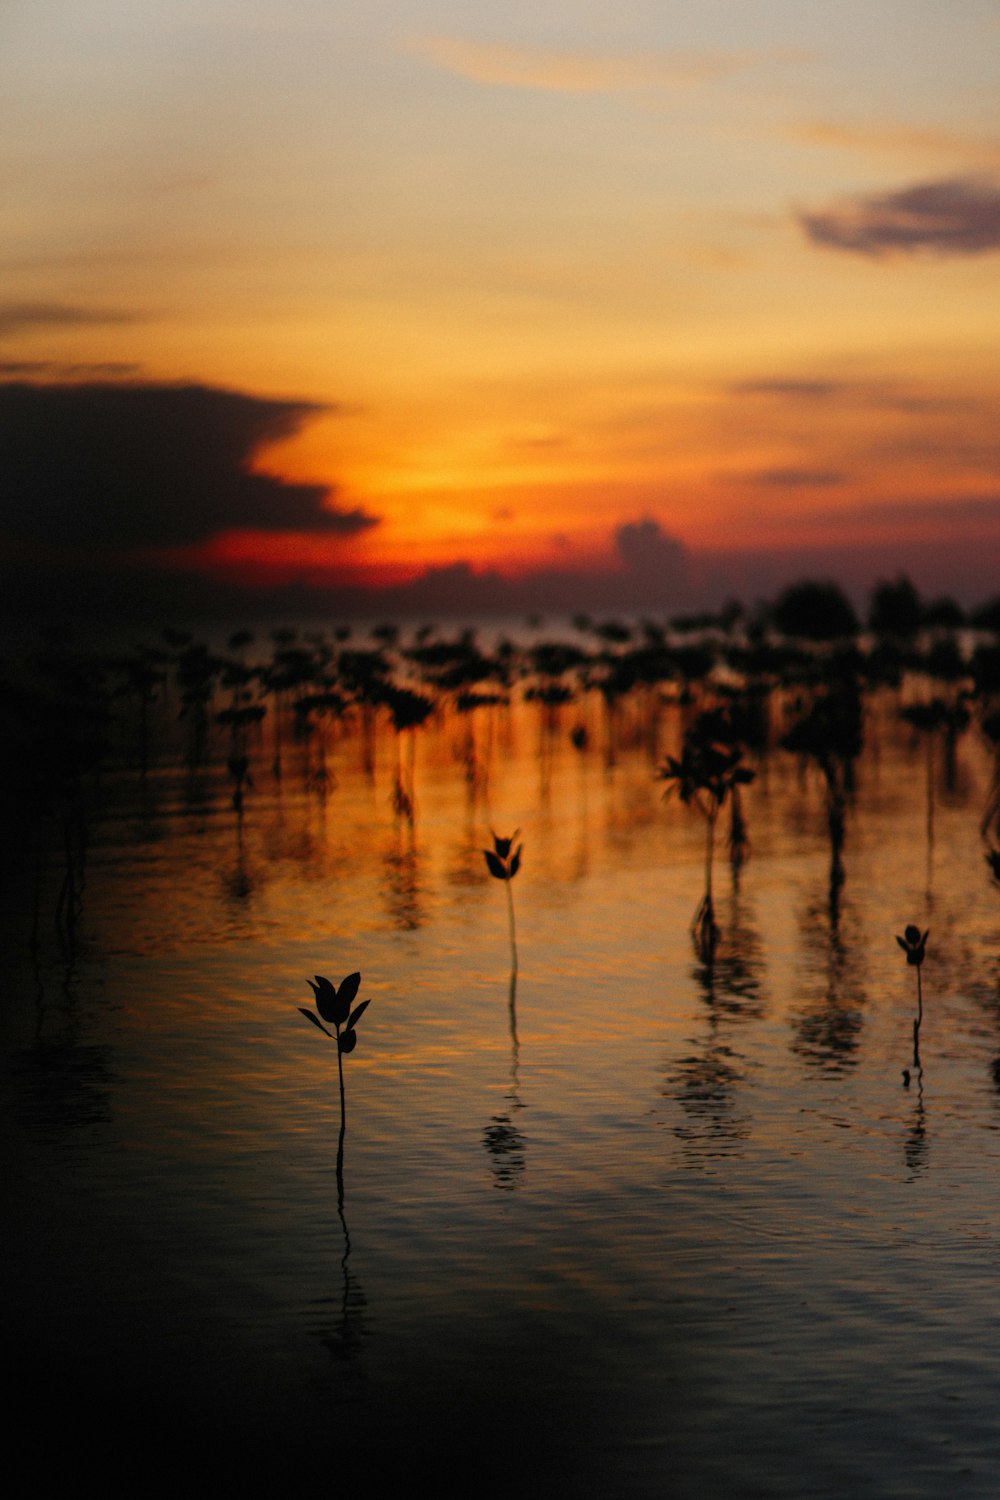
(349, 988)
(311, 1015)
(347, 1041)
(326, 998)
(357, 1013)
(496, 866)
(340, 1001)
(515, 863)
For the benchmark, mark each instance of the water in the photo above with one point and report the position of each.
(639, 1226)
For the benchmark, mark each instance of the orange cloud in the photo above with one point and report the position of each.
(568, 72)
(883, 139)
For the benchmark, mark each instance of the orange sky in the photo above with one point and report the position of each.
(549, 273)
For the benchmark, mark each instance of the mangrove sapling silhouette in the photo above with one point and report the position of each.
(409, 710)
(831, 734)
(240, 720)
(941, 721)
(914, 945)
(141, 676)
(706, 773)
(503, 862)
(334, 1006)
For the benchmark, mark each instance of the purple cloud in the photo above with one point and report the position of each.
(792, 479)
(953, 216)
(796, 390)
(15, 317)
(649, 552)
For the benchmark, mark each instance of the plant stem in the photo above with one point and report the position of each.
(343, 1124)
(710, 853)
(512, 1010)
(920, 998)
(510, 920)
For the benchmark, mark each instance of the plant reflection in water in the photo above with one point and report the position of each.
(502, 1137)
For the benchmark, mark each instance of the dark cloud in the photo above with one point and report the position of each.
(656, 577)
(120, 467)
(885, 395)
(15, 317)
(953, 216)
(797, 390)
(651, 555)
(956, 513)
(52, 369)
(947, 565)
(792, 479)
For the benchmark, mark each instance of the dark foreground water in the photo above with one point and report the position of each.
(639, 1226)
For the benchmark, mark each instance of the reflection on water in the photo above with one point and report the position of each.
(344, 1321)
(828, 1028)
(705, 1085)
(62, 1086)
(63, 1079)
(401, 886)
(730, 981)
(916, 1147)
(733, 1218)
(503, 1139)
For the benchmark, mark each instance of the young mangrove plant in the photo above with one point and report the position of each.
(409, 710)
(334, 1007)
(830, 732)
(708, 771)
(503, 862)
(914, 945)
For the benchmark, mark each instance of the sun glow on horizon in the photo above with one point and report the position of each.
(535, 280)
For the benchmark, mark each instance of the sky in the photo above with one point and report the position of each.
(423, 301)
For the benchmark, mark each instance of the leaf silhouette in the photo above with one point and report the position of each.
(326, 998)
(347, 1041)
(311, 1015)
(348, 989)
(496, 866)
(515, 863)
(357, 1013)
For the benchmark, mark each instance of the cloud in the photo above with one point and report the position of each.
(650, 553)
(952, 216)
(797, 390)
(116, 468)
(785, 479)
(949, 513)
(16, 317)
(882, 139)
(567, 72)
(110, 369)
(884, 395)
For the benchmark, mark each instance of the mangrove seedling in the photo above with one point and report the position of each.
(708, 771)
(334, 1007)
(830, 733)
(914, 945)
(503, 862)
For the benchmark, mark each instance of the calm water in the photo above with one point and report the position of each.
(639, 1227)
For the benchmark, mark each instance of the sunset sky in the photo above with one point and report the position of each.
(702, 295)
